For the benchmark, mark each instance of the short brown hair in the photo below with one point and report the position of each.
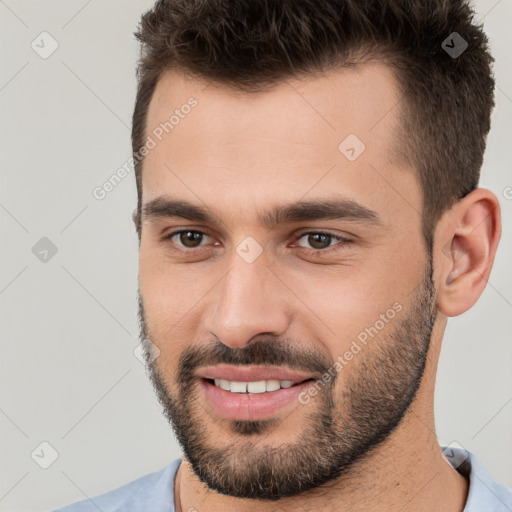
(251, 45)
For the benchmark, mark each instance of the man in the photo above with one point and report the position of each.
(309, 217)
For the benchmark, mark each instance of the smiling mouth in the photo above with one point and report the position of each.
(254, 387)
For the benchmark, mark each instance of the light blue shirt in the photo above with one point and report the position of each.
(155, 492)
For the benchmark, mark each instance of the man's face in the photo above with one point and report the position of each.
(346, 300)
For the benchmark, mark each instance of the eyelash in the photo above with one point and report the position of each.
(343, 242)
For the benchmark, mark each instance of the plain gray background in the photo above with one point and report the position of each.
(68, 373)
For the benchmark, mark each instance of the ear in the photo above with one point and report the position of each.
(466, 239)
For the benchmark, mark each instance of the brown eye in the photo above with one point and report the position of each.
(187, 238)
(319, 241)
(190, 238)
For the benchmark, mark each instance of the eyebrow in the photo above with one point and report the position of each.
(326, 209)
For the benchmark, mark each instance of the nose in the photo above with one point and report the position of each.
(249, 301)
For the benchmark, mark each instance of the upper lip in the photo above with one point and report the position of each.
(250, 373)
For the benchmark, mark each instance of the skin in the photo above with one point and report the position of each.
(240, 154)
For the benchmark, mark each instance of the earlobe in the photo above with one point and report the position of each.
(471, 237)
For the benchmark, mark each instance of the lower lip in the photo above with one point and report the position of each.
(246, 406)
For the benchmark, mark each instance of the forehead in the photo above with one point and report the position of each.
(360, 99)
(298, 137)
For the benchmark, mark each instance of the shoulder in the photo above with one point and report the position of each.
(154, 492)
(485, 493)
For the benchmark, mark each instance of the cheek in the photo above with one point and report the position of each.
(358, 304)
(168, 289)
(169, 298)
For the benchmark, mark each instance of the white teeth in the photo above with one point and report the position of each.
(273, 385)
(256, 387)
(260, 386)
(238, 387)
(224, 384)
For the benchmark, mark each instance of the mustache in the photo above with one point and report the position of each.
(263, 352)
